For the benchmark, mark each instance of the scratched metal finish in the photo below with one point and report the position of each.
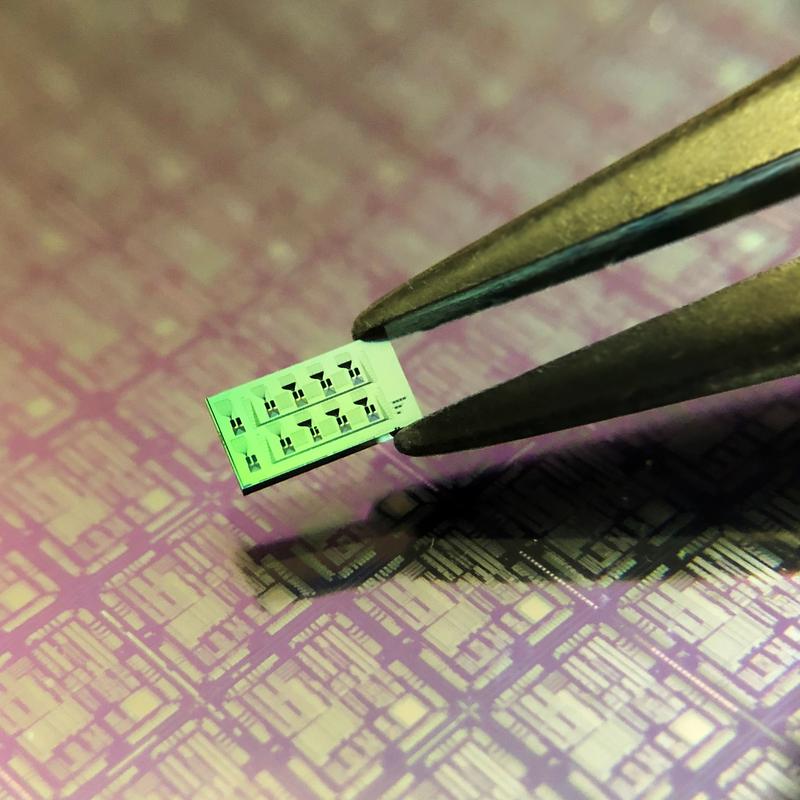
(195, 194)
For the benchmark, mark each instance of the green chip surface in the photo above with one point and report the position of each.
(312, 412)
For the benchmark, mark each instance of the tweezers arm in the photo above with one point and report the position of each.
(740, 155)
(745, 334)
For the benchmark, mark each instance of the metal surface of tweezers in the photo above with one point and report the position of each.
(732, 159)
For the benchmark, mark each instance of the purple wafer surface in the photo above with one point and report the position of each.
(196, 194)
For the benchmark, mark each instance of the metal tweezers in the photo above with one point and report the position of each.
(734, 158)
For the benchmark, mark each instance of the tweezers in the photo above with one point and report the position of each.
(732, 159)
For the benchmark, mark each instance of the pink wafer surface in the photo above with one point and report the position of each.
(196, 194)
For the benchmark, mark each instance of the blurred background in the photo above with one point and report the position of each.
(194, 194)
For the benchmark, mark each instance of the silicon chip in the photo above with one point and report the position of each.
(313, 412)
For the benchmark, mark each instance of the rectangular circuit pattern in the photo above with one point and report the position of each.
(312, 412)
(606, 612)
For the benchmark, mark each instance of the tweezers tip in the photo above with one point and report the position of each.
(404, 443)
(411, 440)
(365, 329)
